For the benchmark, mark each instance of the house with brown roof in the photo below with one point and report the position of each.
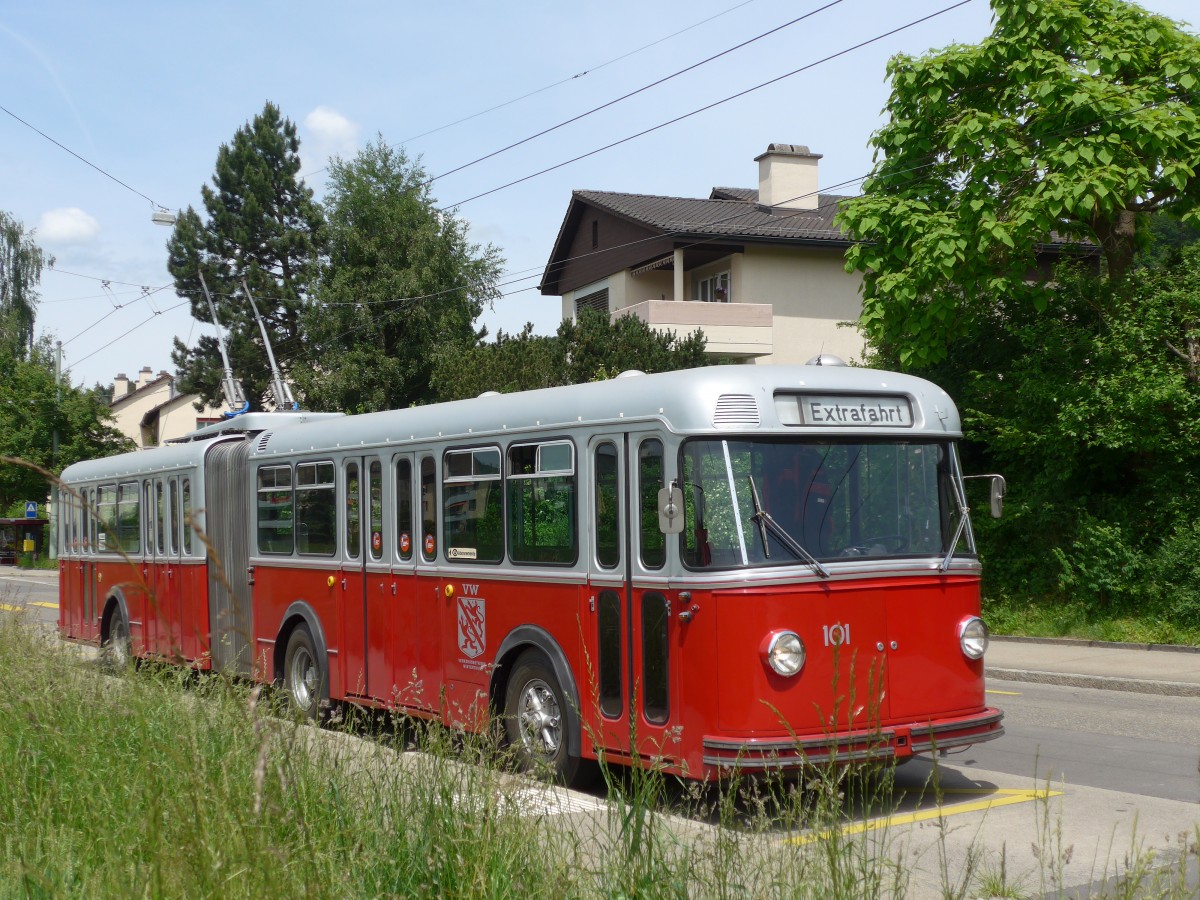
(150, 412)
(760, 272)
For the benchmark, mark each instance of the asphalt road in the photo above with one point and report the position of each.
(1134, 743)
(36, 595)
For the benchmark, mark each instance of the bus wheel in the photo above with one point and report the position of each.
(114, 652)
(302, 673)
(535, 720)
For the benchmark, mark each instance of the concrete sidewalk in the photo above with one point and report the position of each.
(1140, 668)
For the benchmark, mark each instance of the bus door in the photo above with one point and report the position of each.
(427, 590)
(632, 636)
(403, 592)
(353, 599)
(80, 605)
(367, 584)
(162, 614)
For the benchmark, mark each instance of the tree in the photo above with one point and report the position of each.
(1072, 120)
(593, 348)
(33, 407)
(21, 264)
(262, 226)
(402, 286)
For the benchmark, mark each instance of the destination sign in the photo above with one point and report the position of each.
(843, 411)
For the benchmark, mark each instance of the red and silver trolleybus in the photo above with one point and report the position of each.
(731, 568)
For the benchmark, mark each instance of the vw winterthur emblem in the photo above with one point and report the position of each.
(472, 626)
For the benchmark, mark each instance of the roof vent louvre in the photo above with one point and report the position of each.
(264, 440)
(734, 410)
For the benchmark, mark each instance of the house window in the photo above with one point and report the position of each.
(597, 300)
(595, 234)
(713, 289)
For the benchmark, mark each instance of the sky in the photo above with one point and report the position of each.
(142, 94)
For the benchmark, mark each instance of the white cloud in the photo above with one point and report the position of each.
(67, 226)
(331, 133)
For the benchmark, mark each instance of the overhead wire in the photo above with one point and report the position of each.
(82, 159)
(562, 81)
(709, 106)
(641, 90)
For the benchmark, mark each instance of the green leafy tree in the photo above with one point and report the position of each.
(403, 286)
(592, 348)
(32, 408)
(1092, 408)
(21, 264)
(262, 226)
(1067, 124)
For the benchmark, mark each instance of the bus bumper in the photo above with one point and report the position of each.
(874, 745)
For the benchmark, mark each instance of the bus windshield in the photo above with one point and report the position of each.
(804, 502)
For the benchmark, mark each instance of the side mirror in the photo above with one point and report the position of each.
(997, 498)
(670, 510)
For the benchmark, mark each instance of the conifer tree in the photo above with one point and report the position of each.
(262, 226)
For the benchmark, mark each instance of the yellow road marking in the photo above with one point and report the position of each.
(998, 797)
(7, 608)
(43, 604)
(1005, 693)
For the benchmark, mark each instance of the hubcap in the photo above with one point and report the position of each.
(304, 678)
(539, 719)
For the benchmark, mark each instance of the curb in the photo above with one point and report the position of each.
(1100, 682)
(1102, 645)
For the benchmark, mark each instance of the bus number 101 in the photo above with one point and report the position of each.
(836, 635)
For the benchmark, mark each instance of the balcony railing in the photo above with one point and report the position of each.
(731, 329)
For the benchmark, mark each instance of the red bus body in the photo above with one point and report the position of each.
(416, 549)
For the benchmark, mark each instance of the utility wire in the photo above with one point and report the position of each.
(709, 106)
(635, 92)
(132, 330)
(81, 159)
(577, 75)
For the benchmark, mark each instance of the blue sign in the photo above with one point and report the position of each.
(30, 509)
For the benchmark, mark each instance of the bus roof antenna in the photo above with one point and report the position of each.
(283, 393)
(230, 386)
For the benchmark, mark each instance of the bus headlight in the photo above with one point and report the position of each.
(973, 637)
(784, 652)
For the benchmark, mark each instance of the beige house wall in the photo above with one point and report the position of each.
(810, 293)
(176, 414)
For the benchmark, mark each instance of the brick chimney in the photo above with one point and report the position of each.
(787, 177)
(120, 386)
(145, 376)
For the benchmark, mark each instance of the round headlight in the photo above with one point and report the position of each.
(973, 637)
(785, 653)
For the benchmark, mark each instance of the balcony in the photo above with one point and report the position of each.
(731, 329)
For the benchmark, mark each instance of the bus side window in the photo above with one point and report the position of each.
(653, 543)
(187, 516)
(375, 508)
(274, 509)
(129, 524)
(541, 503)
(353, 511)
(316, 509)
(472, 506)
(428, 510)
(404, 509)
(607, 503)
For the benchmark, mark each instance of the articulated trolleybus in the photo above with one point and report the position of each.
(727, 569)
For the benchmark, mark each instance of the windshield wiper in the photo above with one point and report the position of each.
(766, 523)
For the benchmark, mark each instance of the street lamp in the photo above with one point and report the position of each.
(163, 217)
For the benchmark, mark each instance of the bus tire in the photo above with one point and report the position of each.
(115, 652)
(535, 720)
(303, 676)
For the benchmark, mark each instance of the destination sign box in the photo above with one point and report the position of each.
(844, 411)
